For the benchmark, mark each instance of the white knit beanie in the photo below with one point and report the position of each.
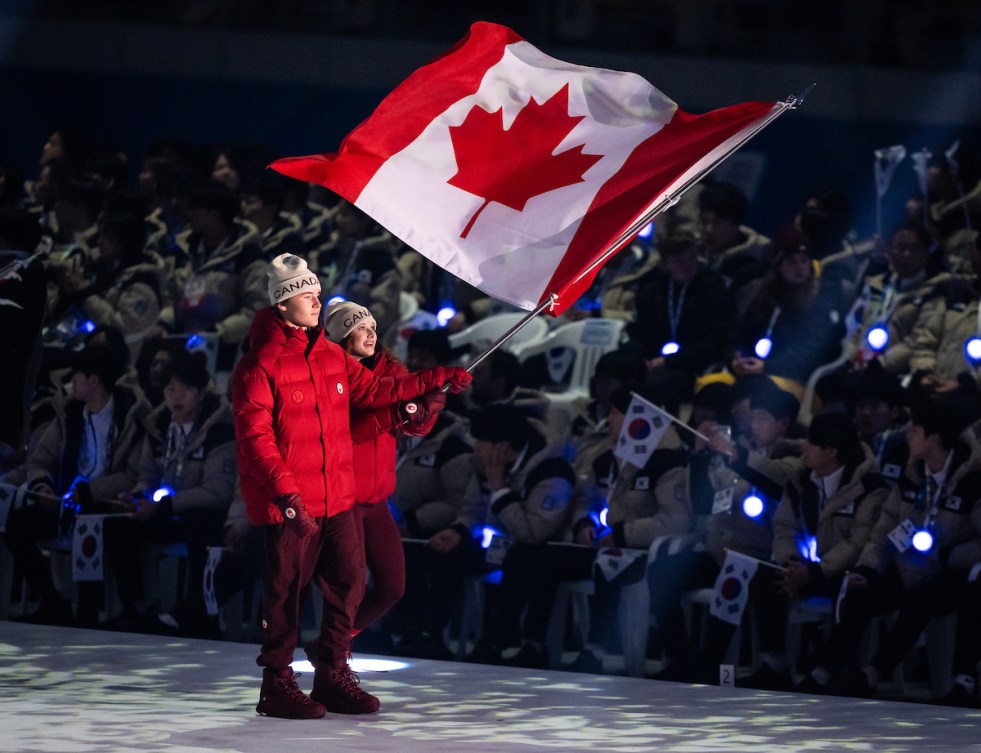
(289, 276)
(342, 317)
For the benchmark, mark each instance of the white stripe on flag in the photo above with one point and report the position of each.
(732, 587)
(644, 425)
(87, 548)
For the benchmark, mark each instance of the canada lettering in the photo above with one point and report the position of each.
(293, 286)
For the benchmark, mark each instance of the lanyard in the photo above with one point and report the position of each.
(773, 321)
(91, 454)
(674, 308)
(176, 445)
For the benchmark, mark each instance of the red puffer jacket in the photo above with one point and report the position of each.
(374, 458)
(291, 397)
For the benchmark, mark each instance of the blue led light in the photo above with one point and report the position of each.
(486, 535)
(335, 299)
(163, 491)
(670, 348)
(88, 326)
(878, 337)
(923, 541)
(753, 505)
(647, 231)
(193, 342)
(808, 549)
(763, 347)
(972, 349)
(444, 315)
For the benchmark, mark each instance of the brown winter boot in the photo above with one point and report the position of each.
(280, 696)
(338, 691)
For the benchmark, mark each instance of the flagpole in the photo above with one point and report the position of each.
(674, 419)
(547, 303)
(665, 202)
(792, 102)
(756, 559)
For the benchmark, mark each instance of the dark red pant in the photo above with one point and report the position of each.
(386, 562)
(334, 559)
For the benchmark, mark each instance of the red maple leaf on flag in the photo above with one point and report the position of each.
(511, 166)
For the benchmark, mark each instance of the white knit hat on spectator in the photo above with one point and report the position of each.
(289, 276)
(342, 317)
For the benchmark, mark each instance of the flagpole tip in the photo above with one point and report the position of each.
(796, 100)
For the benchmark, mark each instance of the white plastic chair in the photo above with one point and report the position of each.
(588, 339)
(483, 333)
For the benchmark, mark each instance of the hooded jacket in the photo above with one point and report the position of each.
(203, 474)
(537, 504)
(55, 459)
(842, 525)
(291, 401)
(958, 519)
(433, 473)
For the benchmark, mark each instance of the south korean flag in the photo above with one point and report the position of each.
(87, 548)
(732, 587)
(643, 427)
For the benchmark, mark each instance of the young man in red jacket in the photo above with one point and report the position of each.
(291, 398)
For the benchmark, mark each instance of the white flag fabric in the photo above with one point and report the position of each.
(515, 171)
(215, 553)
(612, 562)
(886, 162)
(87, 548)
(643, 427)
(732, 587)
(921, 166)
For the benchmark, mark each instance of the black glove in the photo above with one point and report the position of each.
(296, 515)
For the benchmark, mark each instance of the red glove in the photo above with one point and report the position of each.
(454, 377)
(420, 422)
(296, 515)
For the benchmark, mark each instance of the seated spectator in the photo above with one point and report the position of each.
(262, 199)
(84, 457)
(616, 369)
(722, 476)
(735, 251)
(877, 403)
(360, 265)
(642, 504)
(684, 318)
(154, 365)
(945, 325)
(169, 221)
(185, 481)
(73, 242)
(788, 328)
(917, 557)
(522, 488)
(126, 289)
(496, 381)
(892, 300)
(220, 283)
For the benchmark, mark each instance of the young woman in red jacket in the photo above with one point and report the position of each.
(374, 432)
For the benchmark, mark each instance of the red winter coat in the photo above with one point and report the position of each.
(375, 433)
(291, 399)
(375, 447)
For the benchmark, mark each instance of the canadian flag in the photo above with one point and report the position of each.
(519, 173)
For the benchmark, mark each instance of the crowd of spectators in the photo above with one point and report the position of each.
(832, 379)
